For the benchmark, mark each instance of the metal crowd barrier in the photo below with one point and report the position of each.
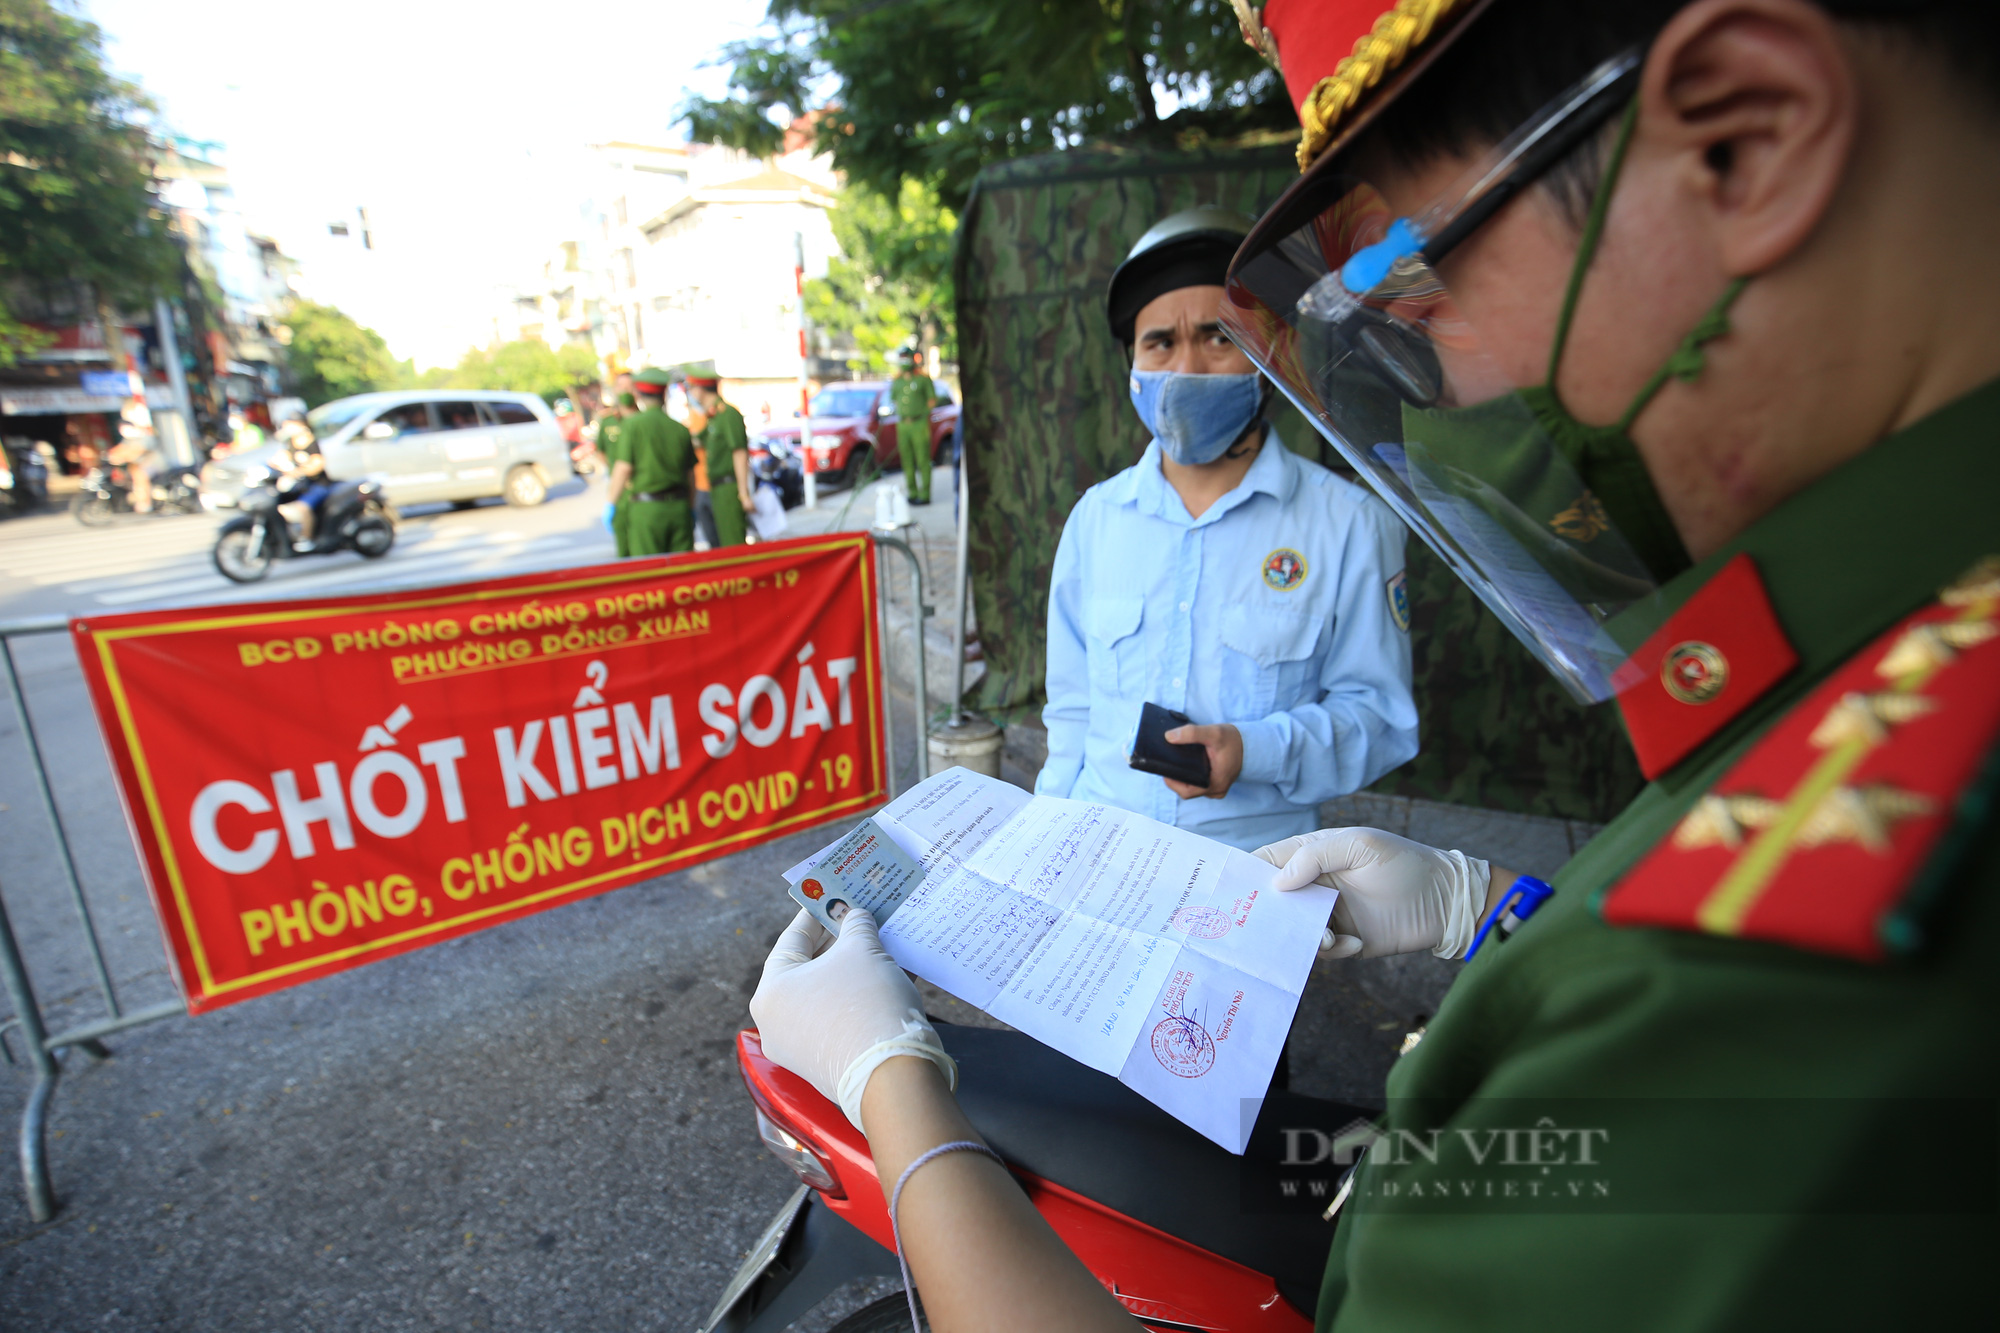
(920, 611)
(45, 1050)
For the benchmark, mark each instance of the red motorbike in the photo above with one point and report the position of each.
(1186, 1235)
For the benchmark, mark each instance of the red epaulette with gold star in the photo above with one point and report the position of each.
(1817, 835)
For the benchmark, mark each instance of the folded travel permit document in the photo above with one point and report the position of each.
(1160, 957)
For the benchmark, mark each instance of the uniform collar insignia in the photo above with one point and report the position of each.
(1816, 834)
(1713, 658)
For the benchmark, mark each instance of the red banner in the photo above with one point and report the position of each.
(317, 785)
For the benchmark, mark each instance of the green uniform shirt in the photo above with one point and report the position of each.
(1724, 1202)
(607, 437)
(659, 449)
(913, 396)
(722, 439)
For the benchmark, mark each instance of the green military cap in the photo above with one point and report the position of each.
(652, 380)
(627, 400)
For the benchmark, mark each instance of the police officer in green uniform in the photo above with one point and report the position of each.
(725, 443)
(914, 395)
(652, 474)
(1675, 326)
(610, 451)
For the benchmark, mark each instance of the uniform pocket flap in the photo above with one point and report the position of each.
(1269, 635)
(1110, 619)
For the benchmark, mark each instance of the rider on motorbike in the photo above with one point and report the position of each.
(303, 483)
(1757, 235)
(137, 450)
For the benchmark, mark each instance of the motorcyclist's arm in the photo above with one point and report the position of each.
(981, 1255)
(842, 1015)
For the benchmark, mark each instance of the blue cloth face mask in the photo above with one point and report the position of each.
(1196, 418)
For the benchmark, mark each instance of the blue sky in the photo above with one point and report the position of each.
(459, 127)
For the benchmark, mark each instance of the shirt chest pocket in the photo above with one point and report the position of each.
(1271, 660)
(1114, 645)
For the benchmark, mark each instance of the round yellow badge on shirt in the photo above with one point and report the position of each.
(1284, 569)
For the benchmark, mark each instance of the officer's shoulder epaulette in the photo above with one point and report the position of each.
(1821, 836)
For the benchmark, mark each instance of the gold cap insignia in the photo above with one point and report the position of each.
(1379, 53)
(1255, 35)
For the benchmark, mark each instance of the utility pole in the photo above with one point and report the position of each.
(805, 374)
(170, 352)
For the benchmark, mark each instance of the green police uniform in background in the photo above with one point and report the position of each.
(609, 450)
(661, 453)
(722, 439)
(913, 396)
(1700, 987)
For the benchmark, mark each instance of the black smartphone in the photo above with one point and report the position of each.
(1151, 752)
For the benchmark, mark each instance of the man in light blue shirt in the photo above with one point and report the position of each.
(1224, 577)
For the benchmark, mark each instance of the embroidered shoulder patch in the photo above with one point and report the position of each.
(1398, 589)
(1816, 836)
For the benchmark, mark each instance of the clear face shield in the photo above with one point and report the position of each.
(1338, 300)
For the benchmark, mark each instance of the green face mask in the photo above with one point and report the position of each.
(1576, 497)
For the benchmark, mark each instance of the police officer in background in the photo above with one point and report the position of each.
(610, 450)
(913, 395)
(1674, 325)
(725, 443)
(1224, 577)
(656, 461)
(612, 414)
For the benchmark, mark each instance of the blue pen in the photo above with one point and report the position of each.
(1524, 897)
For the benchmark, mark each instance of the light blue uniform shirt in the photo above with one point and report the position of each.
(1281, 609)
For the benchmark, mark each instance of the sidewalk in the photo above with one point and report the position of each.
(933, 536)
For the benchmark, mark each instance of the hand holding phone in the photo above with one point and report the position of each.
(1153, 753)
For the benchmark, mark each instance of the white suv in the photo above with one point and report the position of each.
(458, 445)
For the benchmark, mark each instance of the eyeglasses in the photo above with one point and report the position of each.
(1337, 254)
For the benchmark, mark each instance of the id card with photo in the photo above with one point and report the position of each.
(865, 869)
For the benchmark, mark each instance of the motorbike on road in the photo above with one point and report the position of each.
(106, 492)
(24, 477)
(1186, 1235)
(354, 516)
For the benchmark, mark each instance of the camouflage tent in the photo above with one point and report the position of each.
(1046, 417)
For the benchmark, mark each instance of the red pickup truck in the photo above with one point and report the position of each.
(848, 415)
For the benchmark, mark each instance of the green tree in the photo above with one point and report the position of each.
(892, 280)
(76, 192)
(934, 90)
(523, 366)
(331, 356)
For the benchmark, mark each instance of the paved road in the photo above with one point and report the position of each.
(51, 564)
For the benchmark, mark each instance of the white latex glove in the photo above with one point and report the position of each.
(1396, 896)
(832, 1010)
